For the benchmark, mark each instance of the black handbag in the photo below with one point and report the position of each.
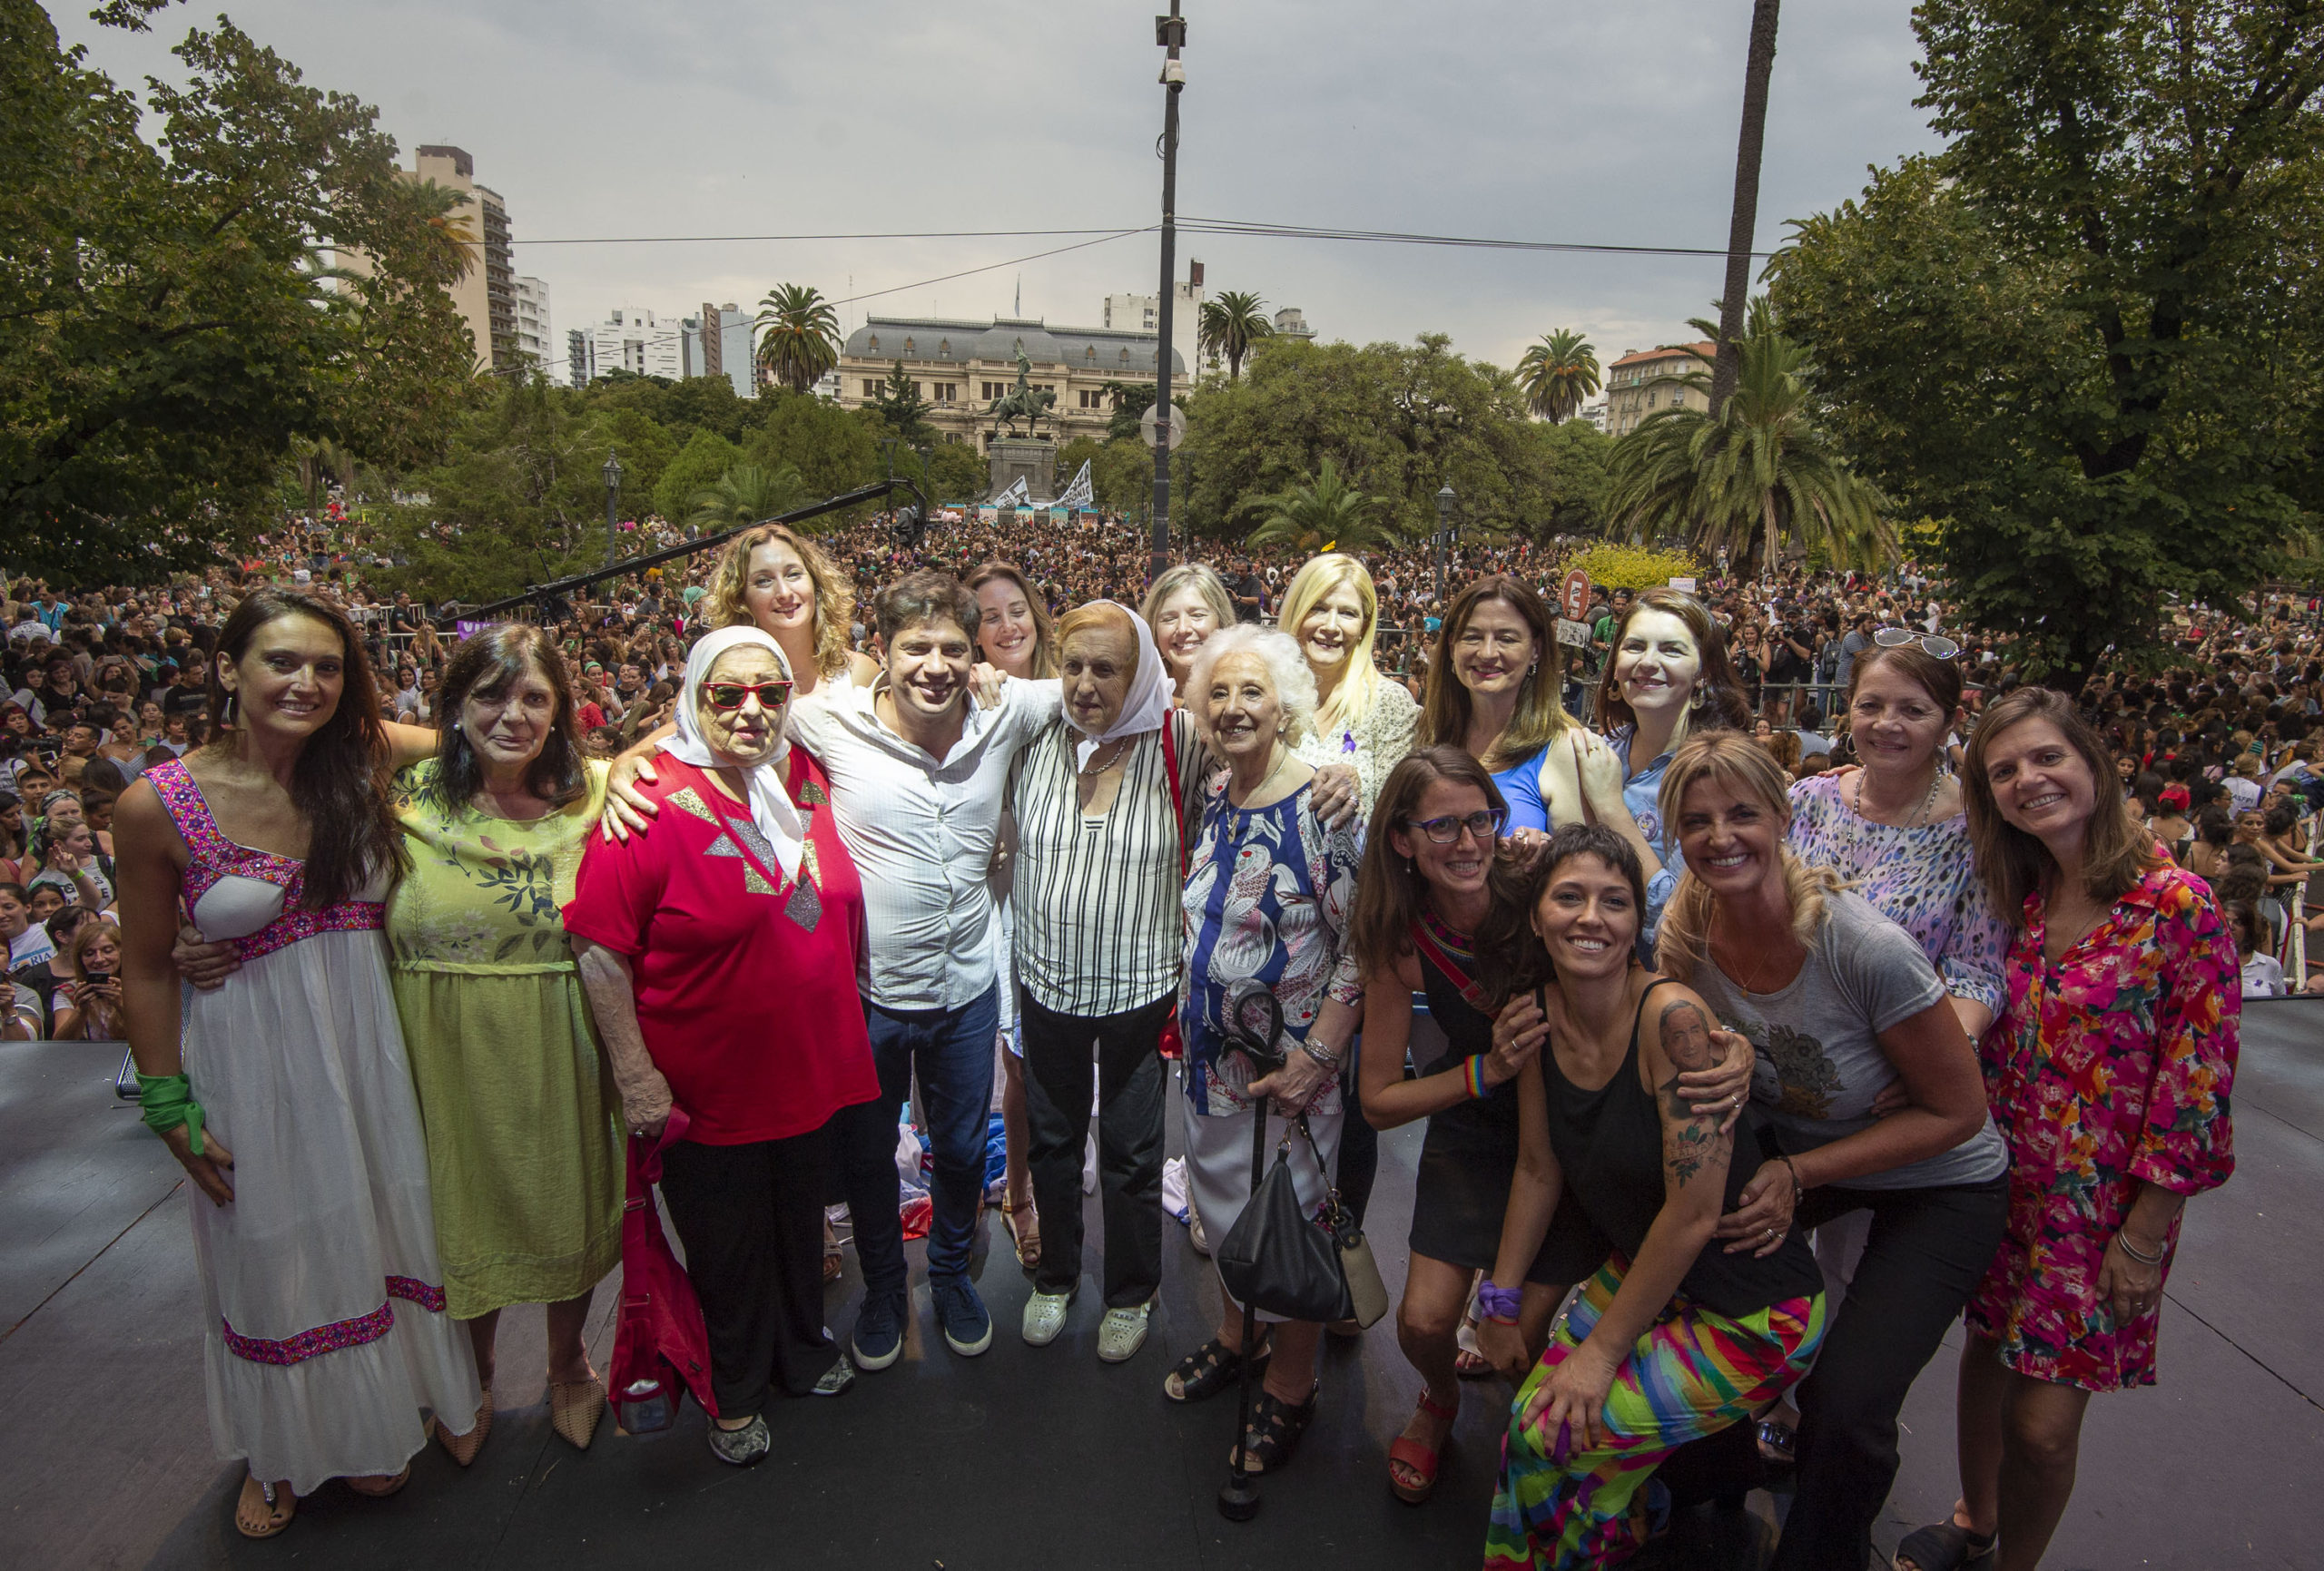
(1275, 1257)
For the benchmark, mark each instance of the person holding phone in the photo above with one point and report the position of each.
(88, 1007)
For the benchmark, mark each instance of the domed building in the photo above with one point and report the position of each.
(961, 366)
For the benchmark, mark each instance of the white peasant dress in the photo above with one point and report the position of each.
(324, 1329)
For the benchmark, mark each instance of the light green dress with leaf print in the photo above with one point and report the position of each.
(524, 1149)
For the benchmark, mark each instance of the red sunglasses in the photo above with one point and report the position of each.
(724, 696)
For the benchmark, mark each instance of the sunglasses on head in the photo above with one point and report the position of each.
(1934, 644)
(1484, 824)
(724, 696)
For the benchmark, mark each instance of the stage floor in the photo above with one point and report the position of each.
(1033, 1457)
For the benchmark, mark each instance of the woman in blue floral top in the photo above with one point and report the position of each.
(1269, 893)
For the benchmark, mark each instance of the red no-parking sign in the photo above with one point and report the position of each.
(1577, 595)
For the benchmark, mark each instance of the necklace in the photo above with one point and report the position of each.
(1260, 789)
(1919, 819)
(1750, 980)
(1120, 745)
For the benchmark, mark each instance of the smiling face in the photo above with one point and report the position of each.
(1898, 726)
(1657, 662)
(750, 734)
(1005, 632)
(1461, 867)
(508, 728)
(1242, 709)
(1331, 629)
(101, 957)
(928, 668)
(1496, 650)
(289, 680)
(777, 589)
(1729, 839)
(1096, 664)
(1587, 917)
(1181, 623)
(2040, 783)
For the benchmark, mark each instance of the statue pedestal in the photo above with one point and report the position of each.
(1032, 459)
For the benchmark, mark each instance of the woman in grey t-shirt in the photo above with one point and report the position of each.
(1841, 1005)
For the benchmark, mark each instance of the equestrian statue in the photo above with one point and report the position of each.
(1023, 401)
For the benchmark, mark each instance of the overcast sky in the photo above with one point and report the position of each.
(1606, 123)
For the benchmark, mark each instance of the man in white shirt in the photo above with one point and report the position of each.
(919, 774)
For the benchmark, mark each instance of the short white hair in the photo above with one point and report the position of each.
(1294, 684)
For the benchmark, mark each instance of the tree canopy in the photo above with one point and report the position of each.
(169, 330)
(2085, 336)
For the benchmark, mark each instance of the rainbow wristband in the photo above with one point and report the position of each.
(166, 1101)
(1474, 1071)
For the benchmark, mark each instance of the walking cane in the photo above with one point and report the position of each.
(1254, 1022)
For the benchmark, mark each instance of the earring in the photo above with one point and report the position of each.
(229, 709)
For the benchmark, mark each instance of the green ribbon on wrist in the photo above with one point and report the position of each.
(166, 1101)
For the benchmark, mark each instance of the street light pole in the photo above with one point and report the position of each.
(612, 472)
(1445, 498)
(1171, 33)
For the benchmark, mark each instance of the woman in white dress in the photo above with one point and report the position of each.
(288, 1097)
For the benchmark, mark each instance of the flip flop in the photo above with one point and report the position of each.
(385, 1488)
(276, 1505)
(1943, 1546)
(1027, 1240)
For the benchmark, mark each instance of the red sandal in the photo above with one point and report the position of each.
(1421, 1460)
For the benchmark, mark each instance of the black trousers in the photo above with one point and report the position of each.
(1927, 1251)
(1128, 1070)
(752, 1220)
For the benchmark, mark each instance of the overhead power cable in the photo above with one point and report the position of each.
(1398, 237)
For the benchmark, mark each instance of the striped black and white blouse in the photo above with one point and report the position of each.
(1099, 929)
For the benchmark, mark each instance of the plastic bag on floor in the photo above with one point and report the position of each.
(1174, 1189)
(915, 1213)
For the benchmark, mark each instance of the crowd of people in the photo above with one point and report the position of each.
(1779, 977)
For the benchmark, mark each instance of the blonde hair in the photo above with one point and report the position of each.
(1359, 685)
(1199, 576)
(835, 597)
(1730, 759)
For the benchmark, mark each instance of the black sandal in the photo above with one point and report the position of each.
(1209, 1370)
(1944, 1547)
(1275, 1428)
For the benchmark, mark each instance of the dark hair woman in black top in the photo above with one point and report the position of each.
(1669, 1342)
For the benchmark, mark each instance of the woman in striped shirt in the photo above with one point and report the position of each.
(1097, 799)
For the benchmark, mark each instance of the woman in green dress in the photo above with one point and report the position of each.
(524, 1146)
(524, 1149)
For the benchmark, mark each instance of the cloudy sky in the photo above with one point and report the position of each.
(1605, 123)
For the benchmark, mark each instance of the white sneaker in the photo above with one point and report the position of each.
(1044, 1316)
(1123, 1332)
(1195, 1234)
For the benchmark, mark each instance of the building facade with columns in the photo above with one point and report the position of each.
(1645, 381)
(961, 366)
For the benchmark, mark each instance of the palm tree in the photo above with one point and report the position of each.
(1756, 472)
(1758, 63)
(746, 494)
(1558, 374)
(1231, 324)
(801, 339)
(1323, 513)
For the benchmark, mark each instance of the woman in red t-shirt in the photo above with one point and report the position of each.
(720, 958)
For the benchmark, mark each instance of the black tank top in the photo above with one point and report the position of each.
(1609, 1143)
(1490, 1124)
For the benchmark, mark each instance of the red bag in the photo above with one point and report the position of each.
(1172, 1046)
(661, 1347)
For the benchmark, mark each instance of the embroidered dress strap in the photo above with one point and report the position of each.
(211, 855)
(1450, 953)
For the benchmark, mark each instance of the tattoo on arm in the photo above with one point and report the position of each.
(1688, 1141)
(1686, 1036)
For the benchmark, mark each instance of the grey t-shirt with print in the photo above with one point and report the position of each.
(1820, 1063)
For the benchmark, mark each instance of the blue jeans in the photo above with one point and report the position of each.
(952, 1050)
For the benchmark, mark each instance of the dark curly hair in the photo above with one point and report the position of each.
(1510, 956)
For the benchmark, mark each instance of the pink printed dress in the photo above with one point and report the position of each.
(323, 1314)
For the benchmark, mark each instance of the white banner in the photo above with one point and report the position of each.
(1078, 494)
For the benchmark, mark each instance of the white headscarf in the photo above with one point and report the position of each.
(1147, 707)
(771, 809)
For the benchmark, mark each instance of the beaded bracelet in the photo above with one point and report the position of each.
(1473, 1070)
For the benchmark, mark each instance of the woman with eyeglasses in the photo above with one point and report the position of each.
(1424, 892)
(744, 896)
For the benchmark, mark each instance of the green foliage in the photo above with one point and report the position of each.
(747, 495)
(957, 472)
(1231, 324)
(832, 449)
(699, 466)
(1757, 473)
(901, 408)
(1322, 513)
(2087, 334)
(798, 335)
(1130, 402)
(1123, 477)
(1399, 420)
(1559, 374)
(1617, 566)
(166, 331)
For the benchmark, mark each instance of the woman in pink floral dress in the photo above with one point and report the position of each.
(2108, 1070)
